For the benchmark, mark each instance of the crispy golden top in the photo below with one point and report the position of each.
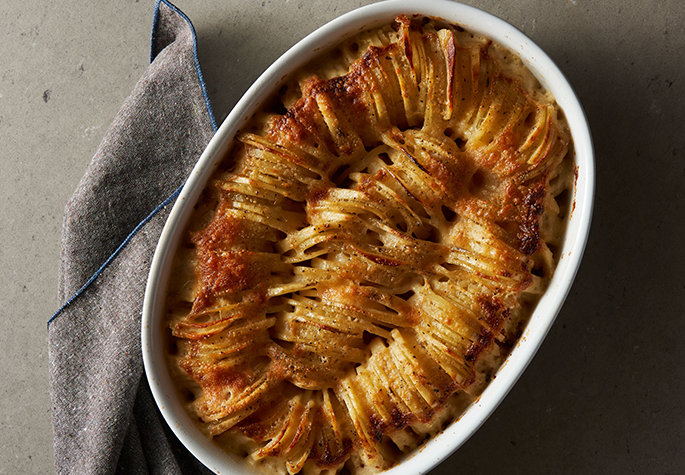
(365, 248)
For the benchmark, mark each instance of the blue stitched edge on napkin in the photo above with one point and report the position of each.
(153, 48)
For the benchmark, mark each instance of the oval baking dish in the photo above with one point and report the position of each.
(439, 447)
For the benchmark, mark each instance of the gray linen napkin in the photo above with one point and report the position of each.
(104, 418)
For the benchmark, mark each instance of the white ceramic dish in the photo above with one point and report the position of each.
(438, 448)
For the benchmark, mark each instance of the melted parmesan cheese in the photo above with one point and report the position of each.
(356, 272)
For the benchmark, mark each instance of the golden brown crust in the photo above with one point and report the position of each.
(368, 248)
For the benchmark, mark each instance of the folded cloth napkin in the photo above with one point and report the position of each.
(104, 418)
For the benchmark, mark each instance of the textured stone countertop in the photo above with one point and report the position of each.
(605, 392)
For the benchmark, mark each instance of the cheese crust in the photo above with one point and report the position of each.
(369, 251)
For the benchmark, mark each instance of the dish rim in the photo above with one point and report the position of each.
(439, 447)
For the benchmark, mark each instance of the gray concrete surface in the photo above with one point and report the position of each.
(605, 392)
